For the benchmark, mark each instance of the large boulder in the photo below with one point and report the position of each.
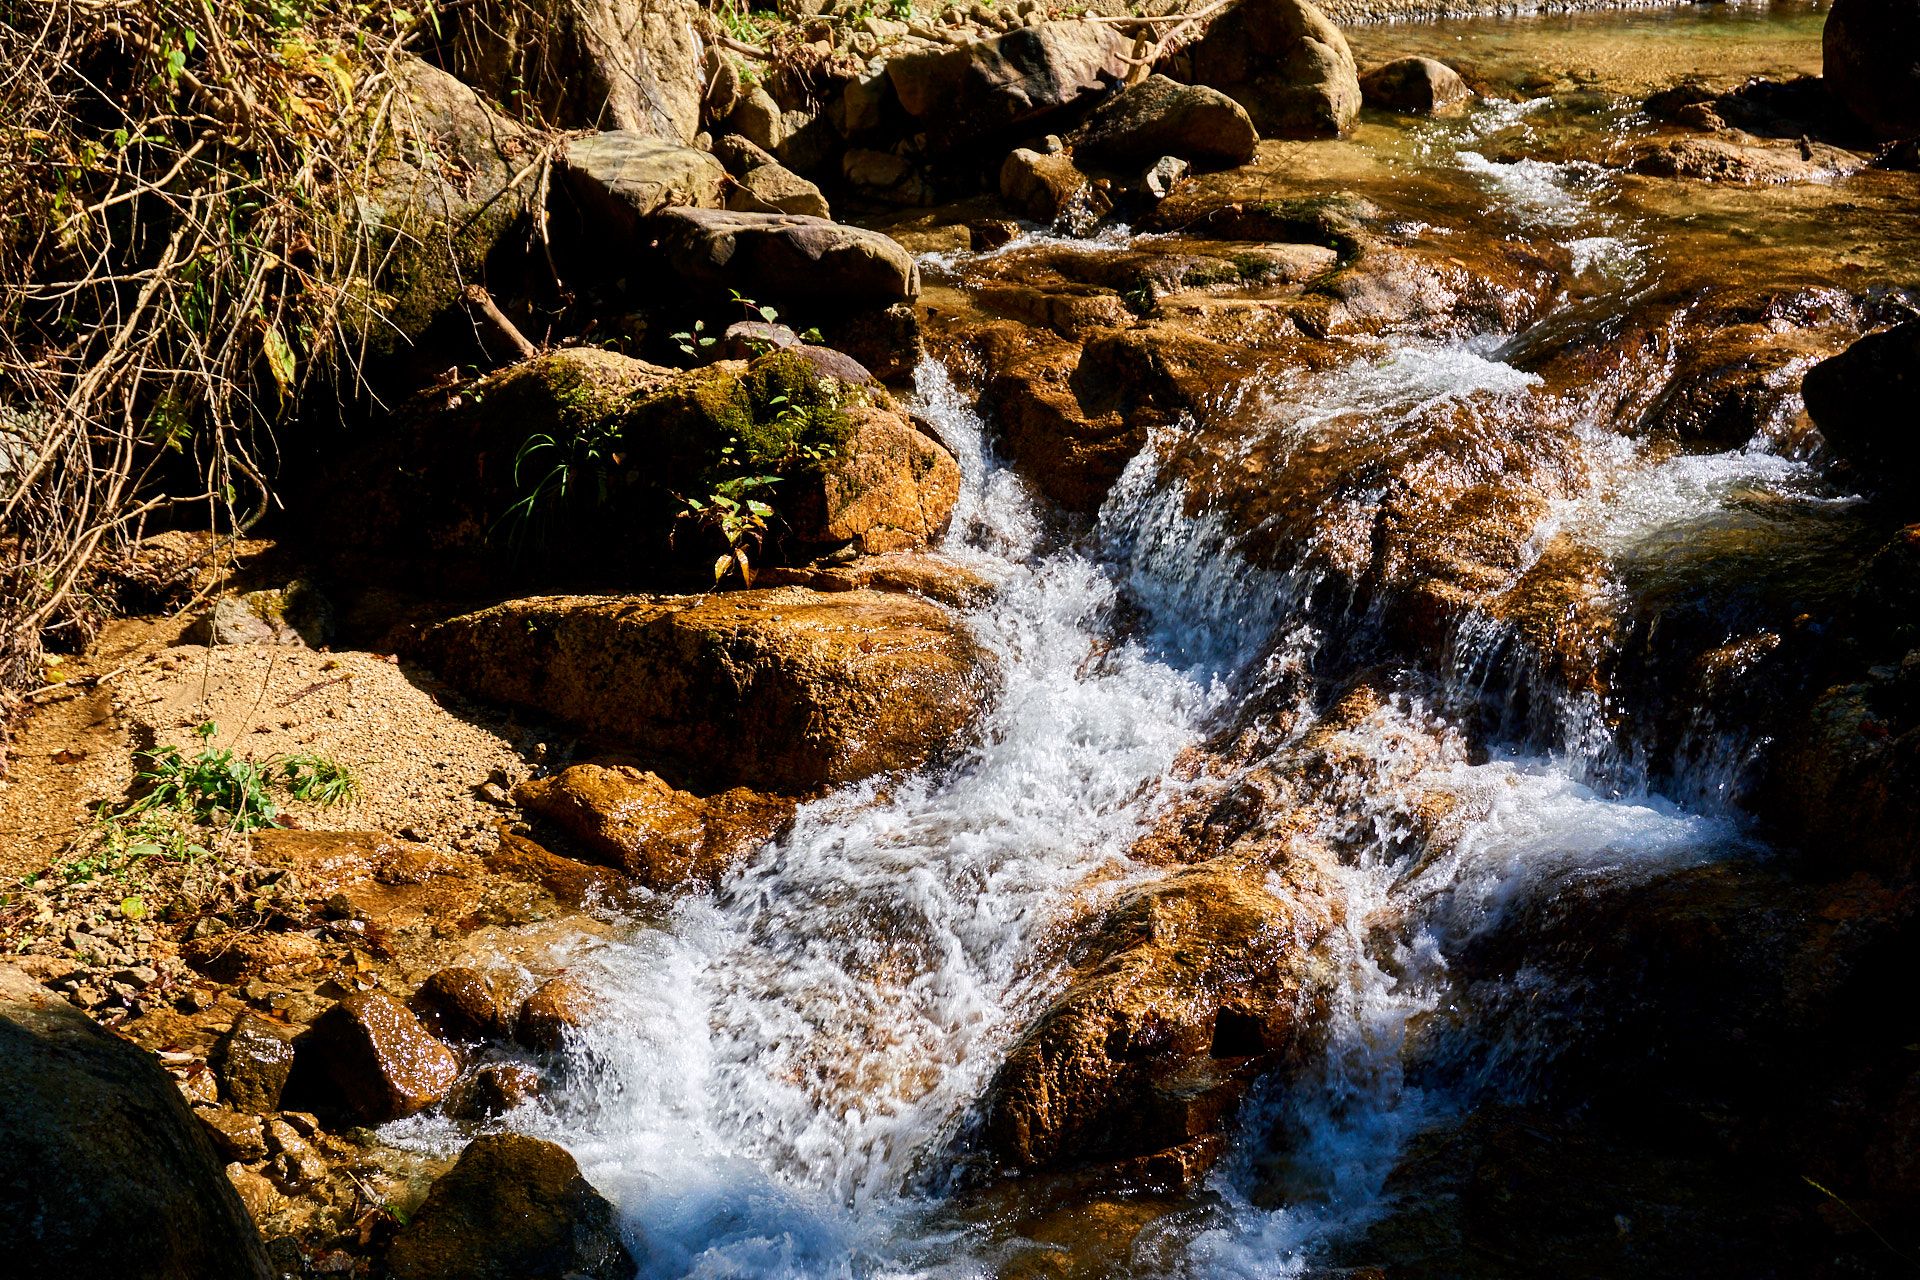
(619, 178)
(1285, 63)
(1194, 987)
(663, 837)
(987, 87)
(1161, 117)
(781, 690)
(764, 255)
(1418, 85)
(440, 204)
(585, 64)
(104, 1174)
(511, 1208)
(1871, 62)
(1863, 402)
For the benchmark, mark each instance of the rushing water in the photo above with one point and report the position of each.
(785, 1081)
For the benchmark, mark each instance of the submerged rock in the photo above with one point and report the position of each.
(512, 1208)
(781, 690)
(1419, 85)
(1869, 62)
(665, 839)
(381, 1059)
(783, 255)
(1285, 63)
(1161, 117)
(1196, 986)
(963, 95)
(104, 1174)
(620, 178)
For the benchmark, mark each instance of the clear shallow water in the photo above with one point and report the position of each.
(784, 1084)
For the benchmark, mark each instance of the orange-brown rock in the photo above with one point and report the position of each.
(784, 689)
(236, 957)
(896, 488)
(381, 1059)
(493, 1090)
(557, 1008)
(921, 572)
(664, 838)
(462, 1003)
(1196, 985)
(328, 862)
(578, 884)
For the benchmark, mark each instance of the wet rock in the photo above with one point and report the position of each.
(1161, 117)
(296, 1162)
(259, 1196)
(236, 1134)
(1739, 382)
(634, 65)
(1868, 63)
(494, 1090)
(512, 1208)
(462, 1003)
(1902, 156)
(765, 254)
(780, 690)
(962, 95)
(557, 1008)
(1720, 160)
(1848, 783)
(1863, 401)
(665, 839)
(1194, 987)
(381, 1059)
(253, 1062)
(578, 884)
(104, 1173)
(1051, 190)
(1285, 63)
(621, 178)
(773, 188)
(1418, 85)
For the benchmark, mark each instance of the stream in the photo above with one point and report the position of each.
(790, 1079)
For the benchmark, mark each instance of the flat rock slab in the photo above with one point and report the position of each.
(781, 255)
(620, 178)
(783, 690)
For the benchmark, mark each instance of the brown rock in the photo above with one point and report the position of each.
(578, 884)
(1719, 160)
(1196, 985)
(461, 1003)
(494, 1090)
(236, 1134)
(1285, 63)
(786, 255)
(296, 1162)
(783, 690)
(895, 489)
(253, 1063)
(1161, 117)
(557, 1007)
(238, 957)
(1419, 85)
(258, 1195)
(621, 178)
(512, 1208)
(1051, 189)
(379, 1056)
(773, 188)
(665, 839)
(1862, 401)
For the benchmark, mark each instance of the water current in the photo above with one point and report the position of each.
(787, 1080)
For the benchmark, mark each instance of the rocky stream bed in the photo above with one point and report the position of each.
(1329, 687)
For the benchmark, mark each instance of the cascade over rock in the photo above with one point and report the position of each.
(1285, 63)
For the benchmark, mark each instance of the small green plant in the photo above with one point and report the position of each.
(216, 788)
(692, 342)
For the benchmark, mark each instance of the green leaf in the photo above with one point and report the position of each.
(135, 908)
(279, 359)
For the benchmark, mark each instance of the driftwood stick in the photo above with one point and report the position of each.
(480, 300)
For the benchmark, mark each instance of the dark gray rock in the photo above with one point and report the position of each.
(740, 154)
(512, 1208)
(620, 178)
(104, 1174)
(1863, 402)
(767, 255)
(1159, 181)
(1162, 117)
(1871, 62)
(989, 86)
